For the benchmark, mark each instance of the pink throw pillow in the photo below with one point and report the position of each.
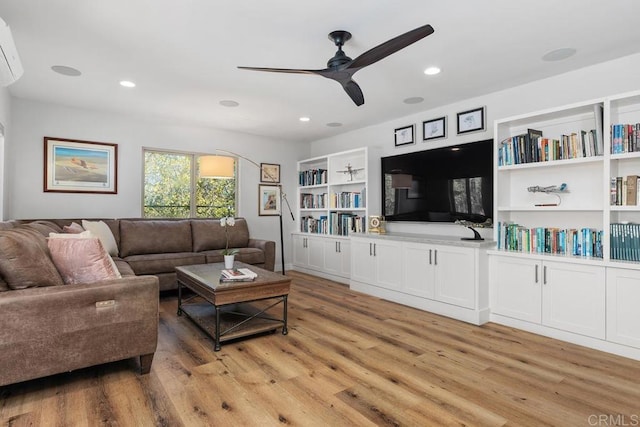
(82, 260)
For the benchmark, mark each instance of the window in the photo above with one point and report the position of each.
(173, 189)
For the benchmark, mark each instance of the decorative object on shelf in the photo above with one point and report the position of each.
(377, 224)
(472, 226)
(405, 135)
(74, 166)
(551, 189)
(351, 171)
(269, 172)
(434, 129)
(471, 120)
(279, 195)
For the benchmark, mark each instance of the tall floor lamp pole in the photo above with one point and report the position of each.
(283, 196)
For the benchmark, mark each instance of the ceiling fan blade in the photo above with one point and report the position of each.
(282, 70)
(389, 47)
(354, 91)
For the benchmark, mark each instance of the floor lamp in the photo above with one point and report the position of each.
(219, 171)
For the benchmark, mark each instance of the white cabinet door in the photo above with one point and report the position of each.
(344, 248)
(515, 287)
(573, 298)
(315, 248)
(332, 257)
(418, 270)
(455, 275)
(623, 315)
(363, 265)
(300, 252)
(389, 265)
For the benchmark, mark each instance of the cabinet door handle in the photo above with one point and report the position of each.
(544, 275)
(340, 247)
(435, 257)
(430, 261)
(337, 247)
(537, 266)
(370, 249)
(374, 249)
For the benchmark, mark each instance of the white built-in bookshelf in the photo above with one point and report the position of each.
(567, 263)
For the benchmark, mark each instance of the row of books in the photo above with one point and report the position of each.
(625, 242)
(624, 190)
(340, 224)
(313, 201)
(312, 177)
(625, 138)
(532, 147)
(586, 242)
(348, 199)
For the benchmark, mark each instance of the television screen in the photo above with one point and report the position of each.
(441, 185)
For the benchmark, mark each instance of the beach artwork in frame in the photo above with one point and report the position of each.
(268, 200)
(75, 166)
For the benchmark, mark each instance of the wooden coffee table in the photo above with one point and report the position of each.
(224, 311)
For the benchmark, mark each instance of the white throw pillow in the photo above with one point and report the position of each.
(102, 232)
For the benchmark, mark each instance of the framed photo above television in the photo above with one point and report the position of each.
(434, 129)
(471, 120)
(405, 135)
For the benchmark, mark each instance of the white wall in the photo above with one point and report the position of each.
(5, 107)
(31, 121)
(587, 83)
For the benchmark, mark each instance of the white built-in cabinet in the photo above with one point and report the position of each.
(590, 299)
(332, 202)
(440, 274)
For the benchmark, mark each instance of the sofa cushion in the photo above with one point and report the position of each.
(73, 228)
(44, 227)
(25, 260)
(81, 259)
(102, 231)
(246, 255)
(208, 234)
(154, 237)
(123, 267)
(162, 263)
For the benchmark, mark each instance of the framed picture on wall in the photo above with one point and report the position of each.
(405, 135)
(268, 200)
(434, 129)
(269, 172)
(471, 120)
(75, 166)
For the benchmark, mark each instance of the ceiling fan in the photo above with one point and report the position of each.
(341, 68)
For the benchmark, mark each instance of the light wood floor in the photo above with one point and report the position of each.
(349, 360)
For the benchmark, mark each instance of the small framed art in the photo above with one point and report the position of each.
(268, 200)
(269, 172)
(405, 135)
(471, 120)
(434, 129)
(74, 166)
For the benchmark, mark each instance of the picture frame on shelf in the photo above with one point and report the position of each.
(405, 135)
(269, 172)
(76, 166)
(268, 200)
(471, 120)
(434, 129)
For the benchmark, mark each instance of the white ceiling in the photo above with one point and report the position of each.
(183, 55)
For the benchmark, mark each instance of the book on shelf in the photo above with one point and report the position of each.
(312, 177)
(237, 275)
(625, 241)
(625, 138)
(585, 242)
(625, 190)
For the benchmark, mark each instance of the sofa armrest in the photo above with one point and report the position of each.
(62, 328)
(269, 248)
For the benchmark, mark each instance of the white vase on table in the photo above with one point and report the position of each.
(228, 261)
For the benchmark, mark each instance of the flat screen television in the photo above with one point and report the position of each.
(440, 185)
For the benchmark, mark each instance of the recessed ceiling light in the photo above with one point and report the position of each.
(413, 100)
(66, 71)
(432, 71)
(229, 103)
(304, 119)
(334, 124)
(127, 83)
(559, 54)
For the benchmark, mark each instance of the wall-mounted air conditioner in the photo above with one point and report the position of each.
(10, 66)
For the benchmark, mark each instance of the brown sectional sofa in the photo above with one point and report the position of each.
(53, 329)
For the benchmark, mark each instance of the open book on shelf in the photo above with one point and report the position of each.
(238, 275)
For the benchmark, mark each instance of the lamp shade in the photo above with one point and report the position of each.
(401, 180)
(217, 167)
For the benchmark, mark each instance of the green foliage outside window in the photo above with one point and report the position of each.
(172, 188)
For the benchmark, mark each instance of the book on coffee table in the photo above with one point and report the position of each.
(237, 275)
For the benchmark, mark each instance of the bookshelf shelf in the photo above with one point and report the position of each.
(551, 209)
